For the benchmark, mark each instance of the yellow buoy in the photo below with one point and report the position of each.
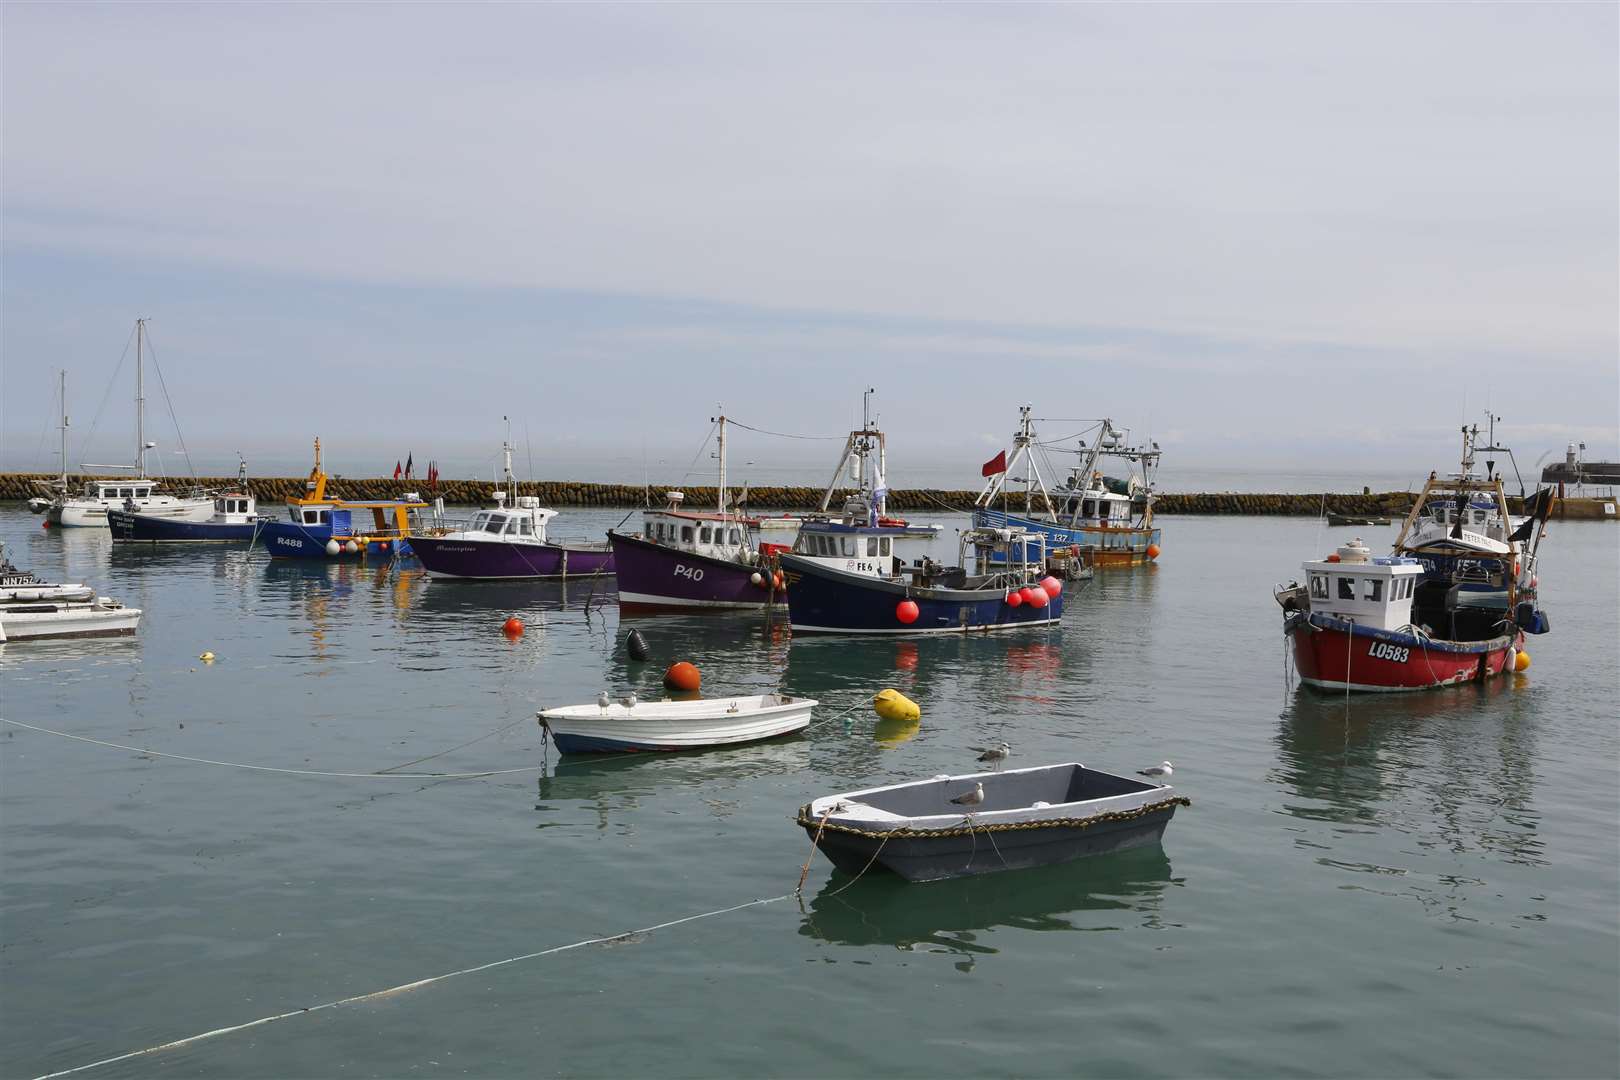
(893, 705)
(207, 658)
(1523, 662)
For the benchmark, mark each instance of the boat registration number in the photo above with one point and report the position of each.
(1383, 650)
(691, 573)
(285, 542)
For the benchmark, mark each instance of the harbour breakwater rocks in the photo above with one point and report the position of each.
(270, 490)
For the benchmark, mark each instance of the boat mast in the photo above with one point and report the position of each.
(140, 401)
(506, 463)
(62, 392)
(721, 454)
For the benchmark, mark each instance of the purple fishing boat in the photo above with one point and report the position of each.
(683, 559)
(509, 542)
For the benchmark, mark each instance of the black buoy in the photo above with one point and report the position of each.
(636, 646)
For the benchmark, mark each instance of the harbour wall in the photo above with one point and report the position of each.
(21, 486)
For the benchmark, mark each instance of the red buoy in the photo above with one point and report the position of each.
(1051, 585)
(683, 676)
(907, 611)
(1037, 598)
(512, 627)
(1015, 599)
(1153, 551)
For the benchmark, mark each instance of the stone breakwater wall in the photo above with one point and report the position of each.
(273, 490)
(20, 486)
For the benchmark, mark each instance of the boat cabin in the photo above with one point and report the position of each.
(853, 548)
(523, 523)
(718, 536)
(235, 508)
(119, 491)
(1371, 592)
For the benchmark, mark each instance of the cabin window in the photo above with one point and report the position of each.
(850, 550)
(883, 547)
(525, 527)
(1347, 588)
(871, 547)
(1319, 587)
(686, 533)
(127, 493)
(1374, 589)
(495, 525)
(733, 537)
(1088, 508)
(706, 534)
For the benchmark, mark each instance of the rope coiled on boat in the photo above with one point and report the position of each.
(807, 820)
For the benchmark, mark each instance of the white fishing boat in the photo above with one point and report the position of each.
(630, 725)
(139, 493)
(34, 608)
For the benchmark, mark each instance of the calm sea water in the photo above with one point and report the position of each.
(1397, 886)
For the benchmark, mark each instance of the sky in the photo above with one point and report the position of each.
(1289, 238)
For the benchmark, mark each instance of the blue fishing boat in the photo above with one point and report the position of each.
(1105, 520)
(321, 527)
(871, 594)
(234, 520)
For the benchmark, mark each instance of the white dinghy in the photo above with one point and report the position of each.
(32, 608)
(630, 725)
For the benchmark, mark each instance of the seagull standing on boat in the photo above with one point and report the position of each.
(602, 700)
(970, 798)
(1160, 771)
(995, 755)
(629, 700)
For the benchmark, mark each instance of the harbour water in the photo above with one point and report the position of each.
(1393, 885)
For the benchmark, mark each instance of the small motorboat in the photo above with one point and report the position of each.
(630, 725)
(33, 608)
(235, 520)
(979, 823)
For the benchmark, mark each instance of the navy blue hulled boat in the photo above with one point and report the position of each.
(836, 595)
(234, 520)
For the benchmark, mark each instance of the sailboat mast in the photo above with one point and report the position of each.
(140, 400)
(62, 392)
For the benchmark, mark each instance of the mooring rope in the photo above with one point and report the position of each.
(288, 772)
(404, 987)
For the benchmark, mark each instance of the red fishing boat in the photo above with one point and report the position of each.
(1376, 624)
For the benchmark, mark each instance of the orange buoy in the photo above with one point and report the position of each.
(1153, 551)
(1333, 557)
(683, 676)
(512, 627)
(1037, 598)
(907, 611)
(1522, 661)
(1051, 585)
(776, 581)
(1015, 598)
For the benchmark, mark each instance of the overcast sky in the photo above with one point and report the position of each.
(1321, 234)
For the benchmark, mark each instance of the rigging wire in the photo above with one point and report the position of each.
(781, 434)
(704, 445)
(173, 418)
(84, 444)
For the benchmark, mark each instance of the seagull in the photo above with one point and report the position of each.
(629, 700)
(970, 798)
(1161, 771)
(993, 754)
(602, 700)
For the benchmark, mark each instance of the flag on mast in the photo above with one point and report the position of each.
(997, 464)
(398, 468)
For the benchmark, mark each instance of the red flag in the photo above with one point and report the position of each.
(997, 464)
(397, 470)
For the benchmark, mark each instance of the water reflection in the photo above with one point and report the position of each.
(1453, 768)
(1110, 892)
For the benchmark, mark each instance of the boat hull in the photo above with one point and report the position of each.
(290, 540)
(983, 852)
(38, 621)
(822, 600)
(499, 560)
(654, 577)
(1335, 655)
(1099, 545)
(127, 527)
(93, 514)
(619, 730)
